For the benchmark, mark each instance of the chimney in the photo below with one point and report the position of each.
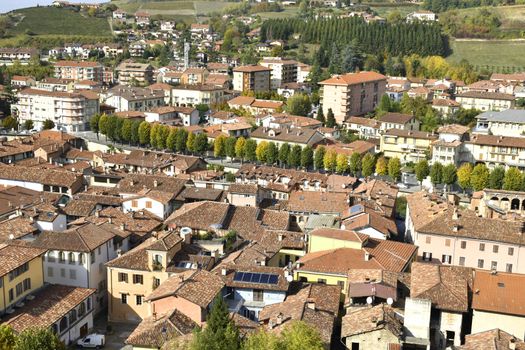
(123, 227)
(512, 344)
(224, 271)
(263, 262)
(279, 319)
(155, 183)
(310, 303)
(280, 237)
(367, 256)
(455, 228)
(154, 316)
(97, 213)
(110, 220)
(131, 183)
(455, 215)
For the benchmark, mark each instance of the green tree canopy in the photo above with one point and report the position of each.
(463, 174)
(38, 338)
(382, 166)
(219, 146)
(449, 174)
(355, 163)
(394, 168)
(284, 152)
(319, 157)
(272, 153)
(436, 172)
(479, 178)
(201, 143)
(496, 178)
(330, 160)
(251, 146)
(240, 144)
(422, 170)
(294, 157)
(307, 157)
(144, 132)
(48, 124)
(299, 104)
(368, 164)
(512, 180)
(330, 119)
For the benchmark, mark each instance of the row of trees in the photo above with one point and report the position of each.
(374, 38)
(221, 333)
(29, 339)
(470, 177)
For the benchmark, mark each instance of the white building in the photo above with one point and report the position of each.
(283, 71)
(510, 122)
(191, 95)
(127, 98)
(172, 115)
(423, 16)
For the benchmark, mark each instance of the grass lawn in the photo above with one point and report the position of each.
(206, 7)
(168, 5)
(51, 20)
(497, 54)
(288, 12)
(383, 11)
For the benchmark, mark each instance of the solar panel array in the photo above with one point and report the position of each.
(255, 277)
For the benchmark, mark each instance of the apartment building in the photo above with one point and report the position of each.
(448, 235)
(9, 55)
(256, 106)
(495, 150)
(486, 101)
(407, 145)
(127, 98)
(252, 78)
(283, 70)
(352, 94)
(510, 122)
(192, 95)
(448, 149)
(79, 70)
(131, 73)
(70, 111)
(192, 76)
(43, 180)
(292, 136)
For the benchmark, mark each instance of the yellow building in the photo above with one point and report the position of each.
(407, 145)
(134, 275)
(333, 253)
(21, 273)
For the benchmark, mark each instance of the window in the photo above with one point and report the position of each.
(50, 271)
(494, 265)
(447, 242)
(134, 203)
(92, 257)
(19, 289)
(480, 263)
(72, 316)
(88, 301)
(461, 261)
(446, 259)
(148, 204)
(62, 257)
(258, 295)
(123, 277)
(71, 258)
(99, 251)
(11, 294)
(124, 298)
(156, 282)
(427, 256)
(82, 309)
(81, 259)
(509, 268)
(100, 267)
(511, 251)
(482, 247)
(63, 324)
(463, 244)
(495, 248)
(428, 239)
(63, 273)
(138, 299)
(73, 274)
(27, 284)
(137, 279)
(321, 280)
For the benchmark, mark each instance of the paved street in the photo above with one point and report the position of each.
(119, 332)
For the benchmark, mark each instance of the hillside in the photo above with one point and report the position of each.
(57, 21)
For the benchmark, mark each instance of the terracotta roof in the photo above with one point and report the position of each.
(83, 64)
(252, 68)
(493, 140)
(197, 286)
(318, 202)
(18, 227)
(354, 78)
(42, 176)
(372, 123)
(411, 133)
(79, 207)
(398, 118)
(447, 287)
(199, 215)
(197, 193)
(486, 95)
(282, 284)
(494, 339)
(244, 324)
(344, 235)
(13, 256)
(499, 293)
(370, 319)
(243, 188)
(140, 222)
(453, 129)
(155, 331)
(49, 306)
(85, 238)
(137, 183)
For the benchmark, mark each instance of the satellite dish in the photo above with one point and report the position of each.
(289, 278)
(389, 301)
(369, 300)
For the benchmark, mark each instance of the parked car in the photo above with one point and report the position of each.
(92, 341)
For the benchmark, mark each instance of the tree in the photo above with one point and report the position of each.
(436, 173)
(294, 157)
(38, 338)
(7, 337)
(229, 146)
(262, 340)
(135, 132)
(103, 125)
(144, 132)
(284, 152)
(48, 124)
(512, 180)
(220, 332)
(299, 104)
(330, 160)
(250, 150)
(299, 336)
(127, 130)
(355, 163)
(153, 135)
(190, 142)
(368, 164)
(240, 144)
(307, 157)
(341, 163)
(496, 178)
(10, 122)
(181, 140)
(162, 136)
(201, 143)
(422, 170)
(320, 115)
(172, 139)
(219, 146)
(479, 178)
(394, 168)
(28, 124)
(449, 174)
(261, 151)
(319, 157)
(330, 119)
(382, 166)
(383, 106)
(463, 174)
(272, 153)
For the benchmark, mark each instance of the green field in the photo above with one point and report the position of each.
(181, 9)
(57, 21)
(383, 11)
(502, 55)
(288, 12)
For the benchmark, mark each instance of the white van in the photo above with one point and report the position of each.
(94, 341)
